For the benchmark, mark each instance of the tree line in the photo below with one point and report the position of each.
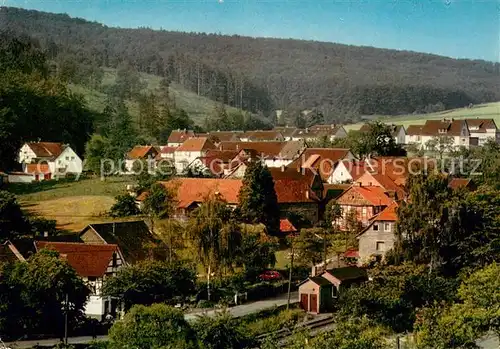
(261, 74)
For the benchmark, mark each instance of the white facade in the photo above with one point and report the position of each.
(184, 158)
(66, 163)
(400, 137)
(340, 174)
(21, 177)
(277, 162)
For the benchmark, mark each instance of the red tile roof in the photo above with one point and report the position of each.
(168, 150)
(293, 191)
(142, 152)
(46, 149)
(190, 190)
(388, 214)
(414, 130)
(271, 135)
(286, 226)
(376, 196)
(37, 168)
(351, 254)
(322, 159)
(196, 144)
(481, 125)
(456, 183)
(180, 136)
(88, 260)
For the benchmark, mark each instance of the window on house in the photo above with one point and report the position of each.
(72, 158)
(67, 158)
(380, 246)
(375, 227)
(364, 211)
(59, 162)
(387, 227)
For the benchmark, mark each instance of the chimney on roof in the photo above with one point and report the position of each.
(282, 168)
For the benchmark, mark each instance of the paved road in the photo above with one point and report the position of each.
(249, 308)
(240, 310)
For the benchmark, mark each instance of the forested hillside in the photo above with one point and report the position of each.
(260, 74)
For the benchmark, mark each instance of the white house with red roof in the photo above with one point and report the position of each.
(47, 160)
(379, 236)
(190, 150)
(93, 263)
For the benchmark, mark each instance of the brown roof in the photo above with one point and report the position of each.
(451, 127)
(142, 152)
(224, 155)
(88, 260)
(168, 150)
(286, 131)
(294, 191)
(268, 149)
(196, 144)
(268, 135)
(180, 136)
(225, 136)
(46, 149)
(414, 130)
(481, 125)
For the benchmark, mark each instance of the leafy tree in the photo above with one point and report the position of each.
(124, 206)
(155, 327)
(12, 221)
(96, 151)
(440, 145)
(309, 246)
(258, 202)
(215, 235)
(257, 251)
(394, 295)
(150, 282)
(159, 202)
(35, 298)
(220, 332)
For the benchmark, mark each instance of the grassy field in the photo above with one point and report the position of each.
(73, 204)
(197, 107)
(489, 110)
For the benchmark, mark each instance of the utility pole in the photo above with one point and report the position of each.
(290, 278)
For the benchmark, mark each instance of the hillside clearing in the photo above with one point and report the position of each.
(487, 111)
(197, 107)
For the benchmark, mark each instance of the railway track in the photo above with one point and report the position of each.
(315, 326)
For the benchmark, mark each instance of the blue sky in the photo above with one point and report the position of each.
(456, 28)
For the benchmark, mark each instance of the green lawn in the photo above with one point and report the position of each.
(489, 110)
(50, 190)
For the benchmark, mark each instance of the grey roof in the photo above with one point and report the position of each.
(320, 281)
(132, 238)
(348, 273)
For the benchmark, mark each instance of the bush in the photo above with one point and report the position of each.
(273, 322)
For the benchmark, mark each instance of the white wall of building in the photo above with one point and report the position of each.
(67, 162)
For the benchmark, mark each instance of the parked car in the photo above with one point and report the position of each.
(270, 275)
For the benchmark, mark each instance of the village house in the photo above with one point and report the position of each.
(177, 137)
(364, 201)
(215, 163)
(347, 171)
(379, 236)
(139, 154)
(94, 264)
(321, 160)
(223, 136)
(343, 278)
(167, 152)
(262, 136)
(189, 151)
(457, 130)
(46, 160)
(135, 240)
(398, 132)
(481, 130)
(273, 154)
(315, 133)
(286, 131)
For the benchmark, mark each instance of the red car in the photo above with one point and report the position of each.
(270, 275)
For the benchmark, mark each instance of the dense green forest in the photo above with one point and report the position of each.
(261, 74)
